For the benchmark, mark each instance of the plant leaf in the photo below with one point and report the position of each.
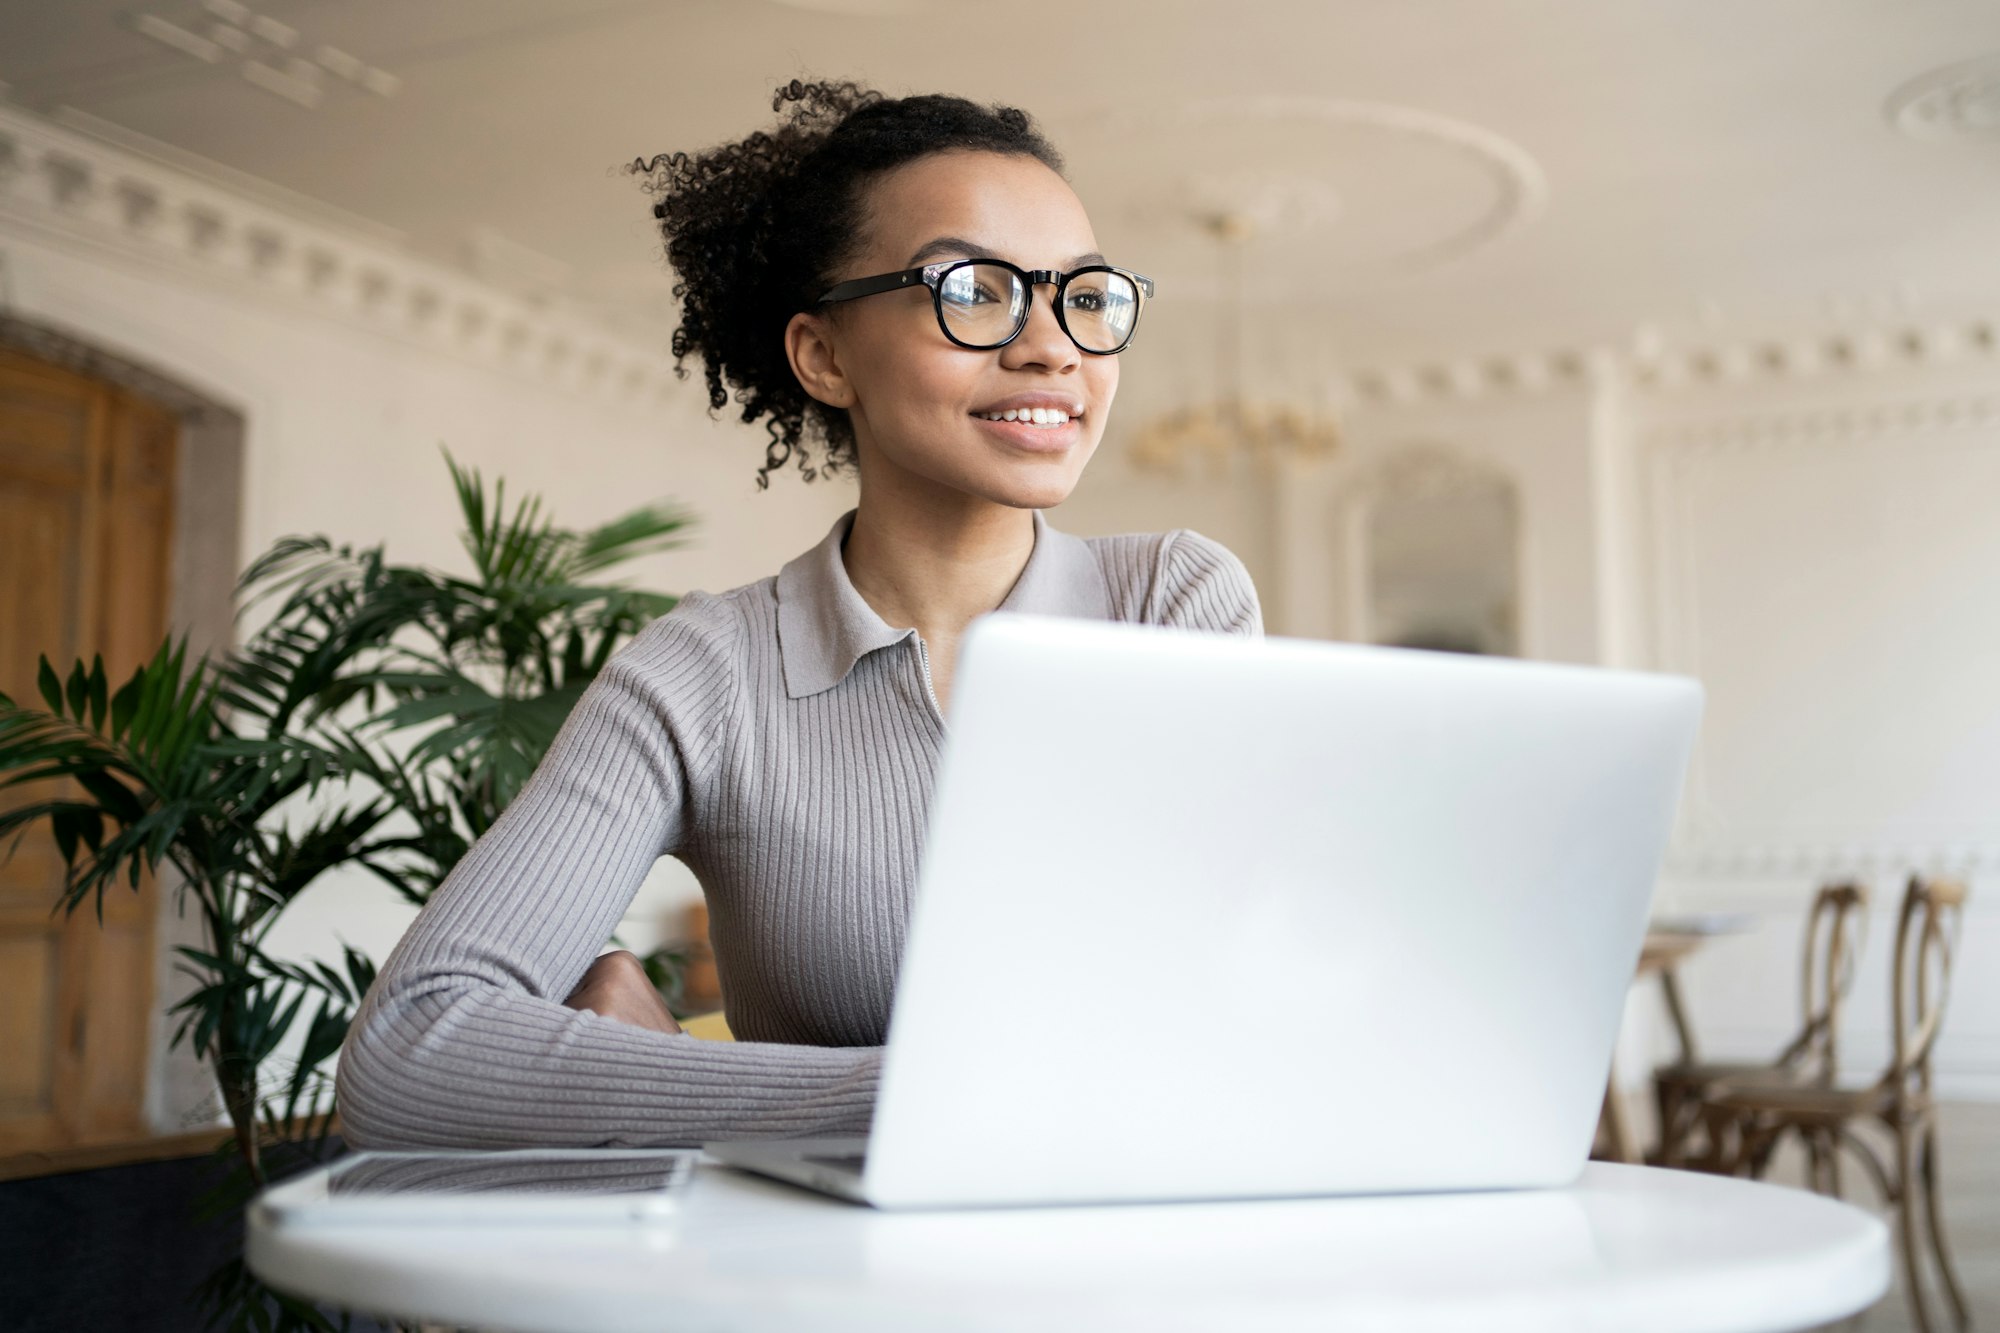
(79, 691)
(96, 690)
(125, 702)
(51, 687)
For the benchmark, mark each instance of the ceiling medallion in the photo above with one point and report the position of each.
(1388, 188)
(1956, 102)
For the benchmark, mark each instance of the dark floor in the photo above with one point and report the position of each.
(116, 1249)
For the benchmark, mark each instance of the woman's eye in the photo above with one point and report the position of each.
(973, 293)
(1090, 301)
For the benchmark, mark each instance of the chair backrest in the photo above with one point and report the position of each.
(1927, 933)
(1835, 929)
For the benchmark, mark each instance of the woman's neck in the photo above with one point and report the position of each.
(935, 563)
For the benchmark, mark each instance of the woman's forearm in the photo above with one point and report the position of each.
(474, 1066)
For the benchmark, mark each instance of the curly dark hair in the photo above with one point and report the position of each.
(757, 229)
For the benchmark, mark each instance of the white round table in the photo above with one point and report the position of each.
(1632, 1249)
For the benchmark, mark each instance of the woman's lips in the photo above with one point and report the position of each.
(1030, 438)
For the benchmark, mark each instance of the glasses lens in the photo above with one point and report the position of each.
(1101, 310)
(982, 303)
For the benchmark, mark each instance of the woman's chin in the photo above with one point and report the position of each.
(1042, 485)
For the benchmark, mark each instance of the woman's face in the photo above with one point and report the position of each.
(920, 403)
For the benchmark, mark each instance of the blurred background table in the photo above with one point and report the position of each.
(1669, 942)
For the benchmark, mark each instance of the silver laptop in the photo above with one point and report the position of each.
(1203, 917)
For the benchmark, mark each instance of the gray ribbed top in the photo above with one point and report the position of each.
(782, 741)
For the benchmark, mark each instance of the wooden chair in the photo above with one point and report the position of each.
(1760, 1115)
(1835, 928)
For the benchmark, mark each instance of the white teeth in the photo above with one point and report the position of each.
(1039, 416)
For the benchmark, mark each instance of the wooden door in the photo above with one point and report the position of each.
(86, 510)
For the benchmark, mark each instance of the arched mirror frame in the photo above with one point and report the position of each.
(1418, 471)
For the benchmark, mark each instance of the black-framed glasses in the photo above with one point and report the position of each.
(983, 304)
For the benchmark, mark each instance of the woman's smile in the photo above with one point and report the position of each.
(1035, 436)
(1034, 422)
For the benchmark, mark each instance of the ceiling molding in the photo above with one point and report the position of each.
(1839, 354)
(1789, 426)
(1847, 354)
(1471, 378)
(85, 195)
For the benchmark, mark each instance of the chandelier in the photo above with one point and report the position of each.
(1230, 426)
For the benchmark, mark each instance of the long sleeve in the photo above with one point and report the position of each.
(464, 1040)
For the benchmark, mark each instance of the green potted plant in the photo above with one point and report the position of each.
(382, 716)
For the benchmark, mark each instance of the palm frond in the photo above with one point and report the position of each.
(645, 531)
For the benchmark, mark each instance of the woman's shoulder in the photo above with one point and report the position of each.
(705, 634)
(1179, 577)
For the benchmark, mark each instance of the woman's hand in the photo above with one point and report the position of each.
(617, 987)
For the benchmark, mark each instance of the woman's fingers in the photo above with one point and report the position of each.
(616, 986)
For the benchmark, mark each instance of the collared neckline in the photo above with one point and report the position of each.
(825, 626)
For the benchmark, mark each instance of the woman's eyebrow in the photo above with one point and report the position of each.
(961, 248)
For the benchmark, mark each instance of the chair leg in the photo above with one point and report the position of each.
(1744, 1143)
(1833, 1165)
(1722, 1151)
(1759, 1146)
(1680, 1112)
(1815, 1161)
(1667, 1102)
(1623, 1144)
(1906, 1226)
(1927, 1161)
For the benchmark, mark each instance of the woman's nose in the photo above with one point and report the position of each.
(1042, 341)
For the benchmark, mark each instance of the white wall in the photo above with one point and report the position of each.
(1821, 552)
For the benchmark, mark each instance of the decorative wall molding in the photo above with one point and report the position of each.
(85, 195)
(1674, 456)
(1795, 862)
(1778, 899)
(85, 192)
(1466, 379)
(1831, 424)
(1853, 355)
(51, 345)
(1813, 356)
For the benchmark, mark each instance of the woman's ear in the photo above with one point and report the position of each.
(809, 347)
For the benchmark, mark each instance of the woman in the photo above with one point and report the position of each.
(781, 738)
